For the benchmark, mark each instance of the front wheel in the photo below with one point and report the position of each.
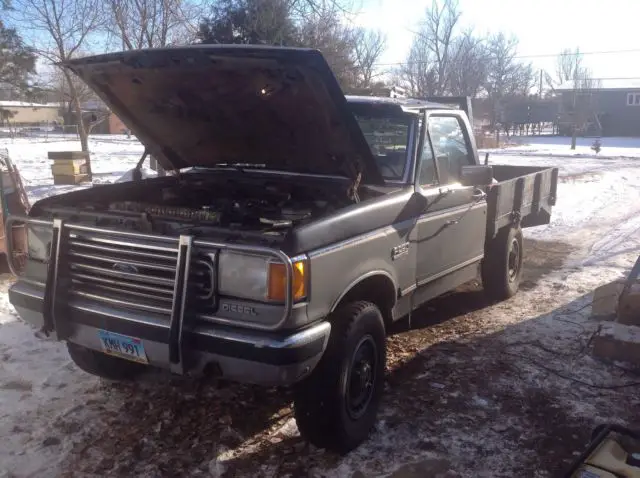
(337, 405)
(502, 265)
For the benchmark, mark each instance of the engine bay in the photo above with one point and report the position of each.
(200, 205)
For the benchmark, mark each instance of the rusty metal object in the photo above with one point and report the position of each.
(176, 212)
(14, 200)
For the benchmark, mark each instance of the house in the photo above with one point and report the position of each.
(610, 108)
(528, 110)
(20, 113)
(110, 124)
(97, 118)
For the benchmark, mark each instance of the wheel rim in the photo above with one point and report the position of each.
(514, 260)
(362, 377)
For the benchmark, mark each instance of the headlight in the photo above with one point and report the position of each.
(39, 241)
(259, 278)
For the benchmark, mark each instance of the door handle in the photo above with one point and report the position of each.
(479, 195)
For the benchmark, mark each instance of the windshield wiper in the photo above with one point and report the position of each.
(240, 166)
(237, 166)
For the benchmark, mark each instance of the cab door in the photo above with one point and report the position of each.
(452, 226)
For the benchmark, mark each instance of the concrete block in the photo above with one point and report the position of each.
(605, 300)
(629, 307)
(618, 342)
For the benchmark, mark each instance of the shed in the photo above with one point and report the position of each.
(612, 108)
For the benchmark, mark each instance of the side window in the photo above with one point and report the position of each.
(449, 146)
(427, 172)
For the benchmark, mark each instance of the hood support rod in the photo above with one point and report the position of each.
(137, 173)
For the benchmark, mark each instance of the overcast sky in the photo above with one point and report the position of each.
(542, 26)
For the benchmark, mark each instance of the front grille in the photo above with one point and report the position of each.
(132, 273)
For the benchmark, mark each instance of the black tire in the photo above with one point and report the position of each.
(102, 365)
(502, 265)
(329, 410)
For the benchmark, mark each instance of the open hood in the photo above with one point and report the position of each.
(203, 105)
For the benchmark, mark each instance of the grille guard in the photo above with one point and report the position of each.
(56, 296)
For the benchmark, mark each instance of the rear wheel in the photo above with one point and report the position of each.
(502, 265)
(337, 405)
(102, 365)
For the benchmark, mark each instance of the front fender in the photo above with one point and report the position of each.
(337, 269)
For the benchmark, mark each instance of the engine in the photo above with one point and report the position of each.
(244, 213)
(204, 206)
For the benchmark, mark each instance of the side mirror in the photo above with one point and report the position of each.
(476, 175)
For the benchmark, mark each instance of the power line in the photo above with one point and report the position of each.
(524, 57)
(580, 53)
(621, 78)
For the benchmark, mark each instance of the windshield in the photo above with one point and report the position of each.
(388, 139)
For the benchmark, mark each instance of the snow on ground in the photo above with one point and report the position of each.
(111, 157)
(561, 146)
(473, 388)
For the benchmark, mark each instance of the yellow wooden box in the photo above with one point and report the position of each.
(69, 167)
(70, 178)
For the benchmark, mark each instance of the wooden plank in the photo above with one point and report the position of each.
(57, 155)
(7, 183)
(69, 169)
(70, 179)
(68, 162)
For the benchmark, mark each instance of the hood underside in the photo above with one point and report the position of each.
(210, 104)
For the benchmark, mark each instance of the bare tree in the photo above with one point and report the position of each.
(59, 86)
(137, 24)
(506, 76)
(438, 32)
(418, 74)
(368, 48)
(325, 30)
(568, 65)
(428, 66)
(579, 105)
(469, 65)
(60, 31)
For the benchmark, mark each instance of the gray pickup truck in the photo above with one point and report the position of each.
(296, 225)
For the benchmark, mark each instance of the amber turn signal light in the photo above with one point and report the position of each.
(278, 281)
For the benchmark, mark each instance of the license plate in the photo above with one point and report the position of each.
(122, 346)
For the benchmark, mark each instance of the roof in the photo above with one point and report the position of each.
(24, 104)
(607, 84)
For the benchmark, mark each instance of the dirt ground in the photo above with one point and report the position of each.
(473, 389)
(465, 396)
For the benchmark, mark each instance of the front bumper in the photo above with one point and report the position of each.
(265, 358)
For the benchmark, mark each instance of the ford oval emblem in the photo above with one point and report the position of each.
(124, 267)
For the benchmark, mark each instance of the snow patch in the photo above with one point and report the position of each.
(487, 400)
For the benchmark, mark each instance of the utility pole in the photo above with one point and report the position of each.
(574, 128)
(540, 91)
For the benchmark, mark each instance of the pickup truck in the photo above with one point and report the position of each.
(296, 225)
